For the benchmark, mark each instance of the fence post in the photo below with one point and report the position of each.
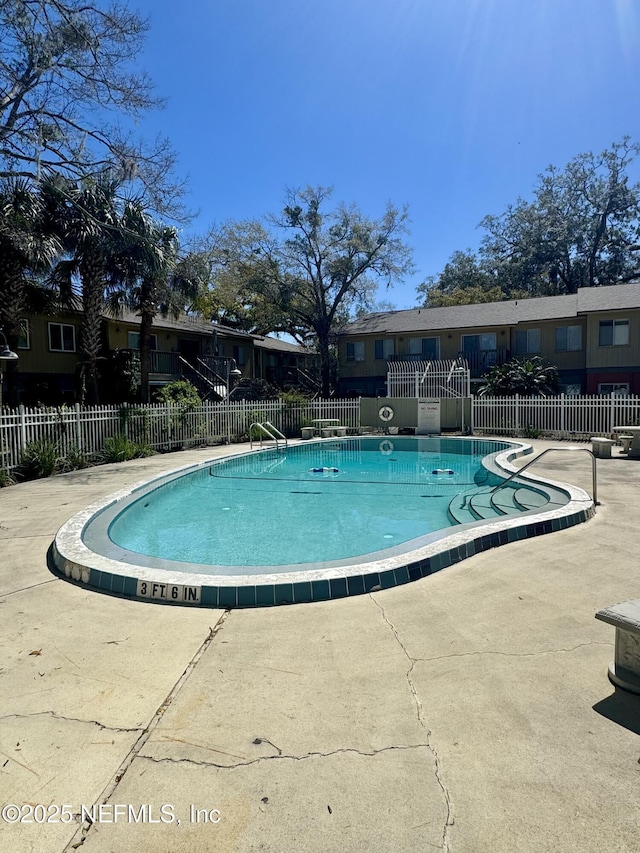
(23, 429)
(611, 414)
(124, 420)
(517, 404)
(79, 442)
(562, 430)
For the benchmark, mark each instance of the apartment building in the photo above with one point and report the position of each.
(184, 347)
(592, 336)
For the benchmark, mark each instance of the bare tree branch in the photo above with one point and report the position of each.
(68, 81)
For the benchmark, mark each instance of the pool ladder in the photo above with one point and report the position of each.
(267, 429)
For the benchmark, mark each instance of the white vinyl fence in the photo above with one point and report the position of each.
(565, 416)
(161, 427)
(167, 427)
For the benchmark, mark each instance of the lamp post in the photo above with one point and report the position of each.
(235, 373)
(6, 354)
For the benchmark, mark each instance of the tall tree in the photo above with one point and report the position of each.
(143, 261)
(67, 81)
(313, 268)
(236, 263)
(582, 228)
(29, 245)
(152, 277)
(90, 218)
(466, 279)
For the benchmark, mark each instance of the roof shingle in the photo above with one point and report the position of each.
(509, 313)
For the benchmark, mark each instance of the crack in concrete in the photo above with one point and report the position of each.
(57, 716)
(513, 654)
(32, 586)
(449, 818)
(80, 836)
(342, 751)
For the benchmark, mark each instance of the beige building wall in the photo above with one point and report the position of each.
(450, 344)
(612, 357)
(563, 359)
(168, 340)
(38, 357)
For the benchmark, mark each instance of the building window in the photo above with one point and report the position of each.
(614, 333)
(527, 341)
(62, 337)
(134, 341)
(479, 343)
(617, 389)
(568, 338)
(480, 350)
(384, 348)
(355, 351)
(240, 356)
(24, 338)
(428, 347)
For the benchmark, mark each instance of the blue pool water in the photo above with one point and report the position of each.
(326, 501)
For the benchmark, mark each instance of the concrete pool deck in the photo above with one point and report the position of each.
(468, 711)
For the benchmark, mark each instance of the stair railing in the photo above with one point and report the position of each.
(594, 476)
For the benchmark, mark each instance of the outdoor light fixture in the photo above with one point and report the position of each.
(7, 354)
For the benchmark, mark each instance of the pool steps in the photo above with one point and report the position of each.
(511, 500)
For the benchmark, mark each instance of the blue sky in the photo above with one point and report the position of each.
(452, 107)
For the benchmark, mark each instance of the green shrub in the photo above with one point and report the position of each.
(119, 448)
(39, 459)
(5, 478)
(74, 460)
(293, 398)
(143, 450)
(180, 393)
(530, 432)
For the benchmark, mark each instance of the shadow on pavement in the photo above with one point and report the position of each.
(622, 708)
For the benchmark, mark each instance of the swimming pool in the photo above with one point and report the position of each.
(313, 521)
(306, 504)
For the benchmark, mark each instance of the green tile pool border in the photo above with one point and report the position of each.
(74, 562)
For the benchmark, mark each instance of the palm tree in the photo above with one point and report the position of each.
(151, 277)
(29, 245)
(91, 222)
(528, 377)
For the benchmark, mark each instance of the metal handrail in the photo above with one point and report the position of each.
(216, 376)
(594, 477)
(197, 372)
(274, 436)
(276, 431)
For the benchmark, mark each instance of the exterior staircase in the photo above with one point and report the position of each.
(210, 386)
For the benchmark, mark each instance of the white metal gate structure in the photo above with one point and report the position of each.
(421, 379)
